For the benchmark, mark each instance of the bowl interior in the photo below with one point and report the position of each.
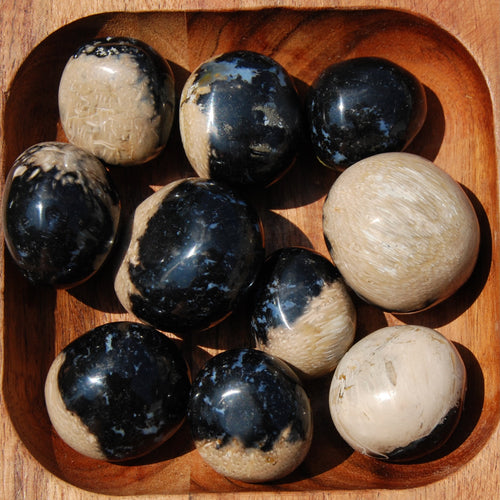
(457, 136)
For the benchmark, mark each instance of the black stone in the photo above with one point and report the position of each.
(59, 224)
(362, 107)
(289, 279)
(257, 118)
(200, 254)
(247, 395)
(128, 383)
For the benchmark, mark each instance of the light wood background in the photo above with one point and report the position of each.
(475, 24)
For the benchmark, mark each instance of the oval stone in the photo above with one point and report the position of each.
(240, 119)
(195, 250)
(303, 312)
(60, 214)
(250, 417)
(398, 393)
(401, 231)
(118, 391)
(361, 107)
(117, 100)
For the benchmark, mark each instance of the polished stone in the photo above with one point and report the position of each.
(60, 214)
(398, 393)
(249, 416)
(117, 100)
(118, 391)
(303, 312)
(240, 119)
(363, 106)
(195, 251)
(401, 231)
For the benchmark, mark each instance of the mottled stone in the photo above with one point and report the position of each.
(398, 393)
(117, 100)
(240, 119)
(303, 312)
(361, 107)
(118, 391)
(196, 248)
(249, 416)
(60, 214)
(402, 232)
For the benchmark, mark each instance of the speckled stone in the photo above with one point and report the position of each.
(401, 231)
(117, 100)
(118, 391)
(362, 107)
(60, 214)
(249, 415)
(196, 248)
(240, 119)
(303, 312)
(398, 393)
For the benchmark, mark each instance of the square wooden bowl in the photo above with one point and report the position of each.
(452, 46)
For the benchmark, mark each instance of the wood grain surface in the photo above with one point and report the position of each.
(452, 46)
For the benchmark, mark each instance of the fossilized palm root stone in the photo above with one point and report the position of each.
(60, 214)
(118, 391)
(117, 100)
(303, 312)
(250, 417)
(398, 393)
(402, 232)
(361, 107)
(194, 251)
(240, 119)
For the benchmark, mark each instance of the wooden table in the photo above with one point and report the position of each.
(472, 468)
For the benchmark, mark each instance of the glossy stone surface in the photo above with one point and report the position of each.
(303, 312)
(398, 393)
(250, 418)
(196, 248)
(117, 100)
(361, 107)
(240, 119)
(60, 214)
(118, 391)
(402, 232)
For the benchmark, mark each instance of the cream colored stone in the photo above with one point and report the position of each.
(402, 232)
(394, 387)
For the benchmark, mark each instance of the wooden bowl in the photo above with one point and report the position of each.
(458, 136)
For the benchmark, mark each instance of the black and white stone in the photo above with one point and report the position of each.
(60, 214)
(402, 232)
(361, 107)
(195, 250)
(250, 417)
(118, 391)
(240, 119)
(117, 100)
(398, 393)
(303, 312)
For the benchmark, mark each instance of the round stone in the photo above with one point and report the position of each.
(118, 392)
(60, 214)
(361, 107)
(402, 232)
(303, 312)
(398, 393)
(240, 119)
(250, 417)
(195, 250)
(117, 100)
